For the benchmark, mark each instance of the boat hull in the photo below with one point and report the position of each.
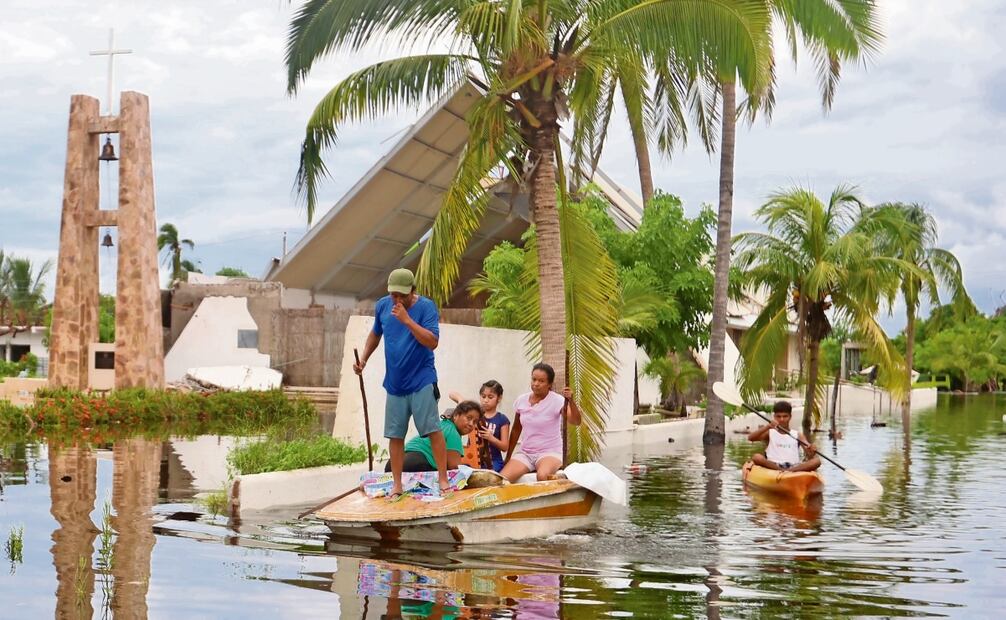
(797, 485)
(471, 516)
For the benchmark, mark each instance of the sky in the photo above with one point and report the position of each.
(922, 121)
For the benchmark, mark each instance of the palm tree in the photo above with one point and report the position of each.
(833, 32)
(676, 376)
(22, 294)
(815, 258)
(532, 62)
(911, 236)
(168, 239)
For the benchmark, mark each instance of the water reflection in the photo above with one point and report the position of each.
(72, 485)
(693, 543)
(135, 480)
(124, 567)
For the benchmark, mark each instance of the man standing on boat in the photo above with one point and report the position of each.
(410, 325)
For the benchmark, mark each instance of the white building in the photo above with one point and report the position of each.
(25, 340)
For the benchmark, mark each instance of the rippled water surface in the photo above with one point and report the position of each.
(692, 543)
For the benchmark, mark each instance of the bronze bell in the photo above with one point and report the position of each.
(108, 151)
(106, 242)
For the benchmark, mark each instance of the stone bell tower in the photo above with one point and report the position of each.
(139, 349)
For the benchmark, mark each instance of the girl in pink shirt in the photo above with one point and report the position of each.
(539, 417)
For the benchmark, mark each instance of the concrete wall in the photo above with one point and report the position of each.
(303, 334)
(263, 299)
(301, 299)
(466, 357)
(307, 345)
(20, 391)
(854, 398)
(211, 338)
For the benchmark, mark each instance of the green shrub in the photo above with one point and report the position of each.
(271, 455)
(27, 362)
(62, 413)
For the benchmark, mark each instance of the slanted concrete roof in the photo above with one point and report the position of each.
(389, 211)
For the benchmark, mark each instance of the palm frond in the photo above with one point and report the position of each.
(465, 201)
(321, 27)
(762, 345)
(734, 35)
(372, 92)
(591, 284)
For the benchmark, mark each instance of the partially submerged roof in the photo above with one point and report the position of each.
(389, 212)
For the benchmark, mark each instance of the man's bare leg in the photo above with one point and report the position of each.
(760, 460)
(439, 447)
(809, 465)
(396, 449)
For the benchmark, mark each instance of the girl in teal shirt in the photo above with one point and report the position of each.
(419, 454)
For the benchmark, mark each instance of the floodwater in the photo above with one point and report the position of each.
(692, 543)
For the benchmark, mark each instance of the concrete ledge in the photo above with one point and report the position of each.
(690, 429)
(290, 488)
(21, 391)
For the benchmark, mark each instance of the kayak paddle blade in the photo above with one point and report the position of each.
(864, 481)
(728, 394)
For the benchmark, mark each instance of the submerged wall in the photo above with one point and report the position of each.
(853, 398)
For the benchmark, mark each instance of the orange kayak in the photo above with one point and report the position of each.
(798, 485)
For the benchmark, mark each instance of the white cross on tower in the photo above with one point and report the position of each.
(111, 52)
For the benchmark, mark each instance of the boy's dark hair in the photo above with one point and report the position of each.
(493, 385)
(782, 406)
(548, 370)
(467, 405)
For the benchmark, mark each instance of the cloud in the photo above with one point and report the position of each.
(919, 123)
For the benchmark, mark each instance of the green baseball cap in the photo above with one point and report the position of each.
(401, 281)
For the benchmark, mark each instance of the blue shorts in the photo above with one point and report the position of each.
(420, 405)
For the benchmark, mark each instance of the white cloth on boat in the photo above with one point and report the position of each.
(379, 483)
(598, 479)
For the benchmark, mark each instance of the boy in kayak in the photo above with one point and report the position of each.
(783, 449)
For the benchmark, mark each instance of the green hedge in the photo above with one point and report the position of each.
(59, 413)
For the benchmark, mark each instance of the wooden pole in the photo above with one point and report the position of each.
(366, 416)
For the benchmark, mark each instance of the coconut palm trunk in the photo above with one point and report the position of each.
(545, 216)
(813, 364)
(638, 129)
(714, 426)
(906, 407)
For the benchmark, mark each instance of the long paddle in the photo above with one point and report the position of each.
(863, 480)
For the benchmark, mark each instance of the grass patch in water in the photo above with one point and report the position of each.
(265, 456)
(215, 503)
(14, 547)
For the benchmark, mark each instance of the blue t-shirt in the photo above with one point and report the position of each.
(409, 365)
(496, 424)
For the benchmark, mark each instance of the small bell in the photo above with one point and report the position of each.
(106, 242)
(108, 151)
